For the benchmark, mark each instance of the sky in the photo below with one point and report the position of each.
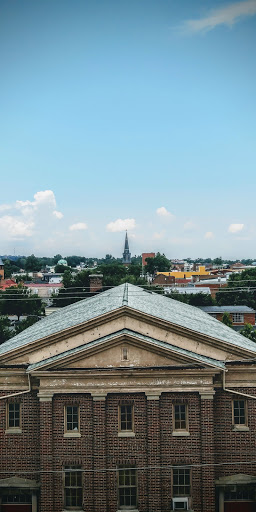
(136, 115)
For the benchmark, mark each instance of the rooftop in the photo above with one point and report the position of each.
(227, 309)
(135, 298)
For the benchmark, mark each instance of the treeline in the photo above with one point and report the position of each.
(34, 264)
(77, 287)
(18, 301)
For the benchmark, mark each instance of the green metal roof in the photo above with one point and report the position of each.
(136, 298)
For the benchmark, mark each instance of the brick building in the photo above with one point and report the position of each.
(239, 315)
(128, 401)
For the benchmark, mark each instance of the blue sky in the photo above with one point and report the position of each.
(134, 114)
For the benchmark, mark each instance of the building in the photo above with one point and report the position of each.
(161, 280)
(126, 253)
(1, 270)
(128, 401)
(187, 290)
(239, 315)
(146, 255)
(43, 289)
(187, 275)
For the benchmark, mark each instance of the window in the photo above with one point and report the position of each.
(180, 417)
(181, 482)
(126, 417)
(127, 488)
(238, 318)
(73, 496)
(124, 353)
(239, 412)
(72, 418)
(13, 416)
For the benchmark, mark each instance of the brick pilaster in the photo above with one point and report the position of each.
(99, 454)
(207, 451)
(154, 451)
(46, 455)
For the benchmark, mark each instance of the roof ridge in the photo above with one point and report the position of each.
(125, 295)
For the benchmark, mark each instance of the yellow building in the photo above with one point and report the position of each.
(186, 275)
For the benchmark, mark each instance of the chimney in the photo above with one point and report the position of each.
(95, 282)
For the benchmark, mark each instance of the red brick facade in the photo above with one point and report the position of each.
(99, 451)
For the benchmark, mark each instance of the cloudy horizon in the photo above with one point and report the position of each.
(128, 115)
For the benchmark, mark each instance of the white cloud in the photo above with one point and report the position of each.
(235, 228)
(4, 207)
(189, 225)
(16, 228)
(80, 226)
(121, 225)
(57, 214)
(163, 212)
(209, 235)
(227, 15)
(158, 236)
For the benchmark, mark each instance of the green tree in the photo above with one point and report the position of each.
(157, 264)
(218, 261)
(5, 332)
(249, 332)
(56, 258)
(226, 319)
(20, 302)
(60, 269)
(32, 264)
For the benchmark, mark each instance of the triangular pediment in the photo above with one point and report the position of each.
(126, 349)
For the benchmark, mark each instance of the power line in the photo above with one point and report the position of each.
(139, 468)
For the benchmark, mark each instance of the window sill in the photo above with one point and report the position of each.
(13, 431)
(241, 428)
(127, 434)
(72, 434)
(180, 433)
(127, 510)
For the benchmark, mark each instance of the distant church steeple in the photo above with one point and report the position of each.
(126, 253)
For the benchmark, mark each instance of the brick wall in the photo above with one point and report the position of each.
(211, 440)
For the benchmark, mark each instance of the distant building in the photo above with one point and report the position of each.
(146, 255)
(95, 282)
(126, 253)
(63, 262)
(239, 315)
(185, 275)
(1, 269)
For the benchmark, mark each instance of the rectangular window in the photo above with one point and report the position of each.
(73, 496)
(127, 488)
(238, 318)
(72, 418)
(181, 482)
(239, 412)
(126, 418)
(13, 415)
(180, 417)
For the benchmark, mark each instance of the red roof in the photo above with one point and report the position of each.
(7, 283)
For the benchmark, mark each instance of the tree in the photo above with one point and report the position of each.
(249, 332)
(5, 332)
(32, 264)
(157, 264)
(226, 319)
(19, 301)
(218, 261)
(56, 258)
(60, 269)
(240, 290)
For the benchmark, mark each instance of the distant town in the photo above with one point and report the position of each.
(32, 287)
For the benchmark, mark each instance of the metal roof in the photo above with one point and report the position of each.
(227, 309)
(180, 351)
(136, 298)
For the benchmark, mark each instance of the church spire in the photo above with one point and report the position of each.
(126, 253)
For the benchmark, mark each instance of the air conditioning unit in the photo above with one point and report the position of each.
(180, 503)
